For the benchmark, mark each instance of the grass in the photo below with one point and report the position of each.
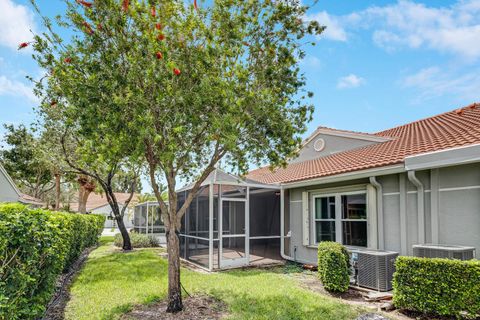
(112, 282)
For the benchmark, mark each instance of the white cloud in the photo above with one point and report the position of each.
(334, 30)
(435, 82)
(16, 88)
(350, 81)
(16, 21)
(454, 29)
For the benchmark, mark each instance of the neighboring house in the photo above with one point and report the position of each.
(98, 204)
(10, 193)
(414, 184)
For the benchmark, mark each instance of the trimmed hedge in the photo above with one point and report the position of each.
(333, 266)
(138, 240)
(35, 247)
(437, 286)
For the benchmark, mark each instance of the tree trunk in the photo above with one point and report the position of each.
(86, 187)
(81, 204)
(57, 191)
(174, 289)
(127, 244)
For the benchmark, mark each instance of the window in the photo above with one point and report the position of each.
(354, 220)
(341, 218)
(325, 219)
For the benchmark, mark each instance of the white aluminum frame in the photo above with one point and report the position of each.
(338, 214)
(230, 263)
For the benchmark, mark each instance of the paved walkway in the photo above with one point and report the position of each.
(110, 232)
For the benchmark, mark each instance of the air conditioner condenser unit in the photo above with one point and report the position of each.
(374, 268)
(443, 251)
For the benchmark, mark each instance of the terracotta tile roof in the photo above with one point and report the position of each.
(99, 200)
(25, 198)
(451, 129)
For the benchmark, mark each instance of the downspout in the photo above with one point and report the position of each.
(282, 225)
(380, 226)
(420, 205)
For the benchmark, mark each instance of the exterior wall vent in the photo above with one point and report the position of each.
(319, 145)
(443, 251)
(374, 268)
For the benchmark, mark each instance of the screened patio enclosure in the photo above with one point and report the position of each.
(148, 220)
(231, 222)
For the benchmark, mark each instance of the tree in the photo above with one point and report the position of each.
(22, 160)
(122, 183)
(183, 87)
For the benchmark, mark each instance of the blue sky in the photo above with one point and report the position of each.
(378, 65)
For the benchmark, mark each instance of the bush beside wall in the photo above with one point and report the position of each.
(333, 266)
(438, 286)
(138, 240)
(35, 247)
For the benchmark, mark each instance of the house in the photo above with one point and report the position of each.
(98, 204)
(413, 184)
(10, 193)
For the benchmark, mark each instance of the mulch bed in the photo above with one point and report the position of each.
(198, 307)
(56, 306)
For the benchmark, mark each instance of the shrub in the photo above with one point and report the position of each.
(437, 286)
(35, 247)
(138, 240)
(333, 266)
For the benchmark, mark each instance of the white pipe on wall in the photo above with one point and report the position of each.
(380, 225)
(282, 225)
(420, 205)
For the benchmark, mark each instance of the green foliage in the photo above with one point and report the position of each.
(333, 266)
(180, 89)
(240, 93)
(437, 286)
(138, 240)
(35, 247)
(112, 282)
(122, 182)
(23, 161)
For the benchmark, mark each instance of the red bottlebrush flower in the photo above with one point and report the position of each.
(88, 27)
(125, 5)
(153, 12)
(23, 45)
(195, 4)
(67, 60)
(159, 55)
(85, 3)
(177, 71)
(158, 26)
(161, 37)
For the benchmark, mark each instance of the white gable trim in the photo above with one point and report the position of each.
(338, 133)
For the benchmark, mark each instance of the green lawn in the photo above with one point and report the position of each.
(112, 282)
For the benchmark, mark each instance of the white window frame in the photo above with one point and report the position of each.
(338, 214)
(315, 220)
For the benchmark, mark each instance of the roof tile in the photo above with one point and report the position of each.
(447, 130)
